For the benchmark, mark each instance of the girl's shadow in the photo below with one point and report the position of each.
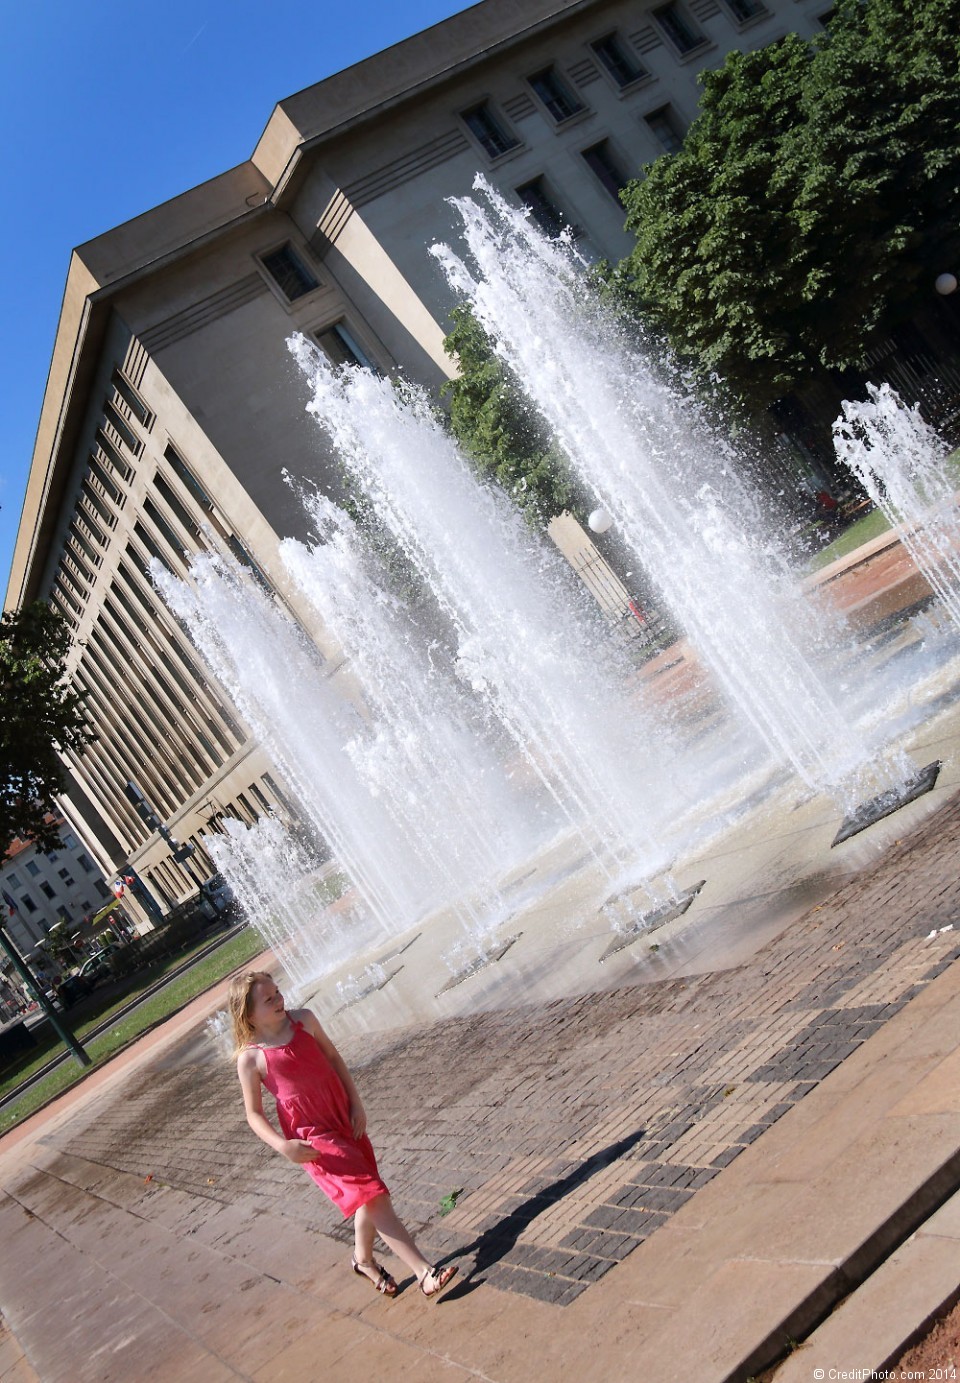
(495, 1243)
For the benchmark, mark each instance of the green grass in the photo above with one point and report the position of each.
(202, 976)
(870, 526)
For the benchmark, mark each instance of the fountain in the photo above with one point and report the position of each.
(277, 681)
(528, 643)
(671, 484)
(504, 671)
(900, 462)
(428, 739)
(282, 887)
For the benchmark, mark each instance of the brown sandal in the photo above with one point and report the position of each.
(442, 1277)
(384, 1282)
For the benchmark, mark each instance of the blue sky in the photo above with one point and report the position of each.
(108, 107)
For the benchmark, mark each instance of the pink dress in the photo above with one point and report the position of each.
(312, 1105)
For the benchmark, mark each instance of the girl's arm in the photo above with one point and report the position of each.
(358, 1115)
(291, 1148)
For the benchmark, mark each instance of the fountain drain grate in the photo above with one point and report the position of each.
(480, 963)
(373, 988)
(888, 802)
(652, 921)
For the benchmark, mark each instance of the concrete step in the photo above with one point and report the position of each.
(892, 1309)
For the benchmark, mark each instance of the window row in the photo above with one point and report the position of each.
(616, 57)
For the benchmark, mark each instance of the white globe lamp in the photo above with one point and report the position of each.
(600, 520)
(945, 284)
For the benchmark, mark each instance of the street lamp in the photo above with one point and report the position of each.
(945, 284)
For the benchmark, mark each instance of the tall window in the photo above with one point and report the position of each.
(667, 129)
(543, 208)
(678, 28)
(746, 9)
(555, 94)
(32, 867)
(604, 164)
(488, 131)
(618, 60)
(289, 272)
(342, 348)
(28, 902)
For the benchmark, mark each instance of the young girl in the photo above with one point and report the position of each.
(322, 1121)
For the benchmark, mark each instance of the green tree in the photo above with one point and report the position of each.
(499, 428)
(814, 200)
(39, 715)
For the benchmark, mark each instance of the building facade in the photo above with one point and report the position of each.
(172, 405)
(42, 890)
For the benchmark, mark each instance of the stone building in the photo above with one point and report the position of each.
(42, 889)
(172, 404)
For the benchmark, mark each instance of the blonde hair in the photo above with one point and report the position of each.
(238, 1005)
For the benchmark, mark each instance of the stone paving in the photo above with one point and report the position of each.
(573, 1130)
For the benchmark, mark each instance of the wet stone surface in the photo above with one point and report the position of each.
(578, 1127)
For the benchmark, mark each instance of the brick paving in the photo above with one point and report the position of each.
(573, 1129)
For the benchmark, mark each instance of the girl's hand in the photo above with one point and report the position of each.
(298, 1151)
(358, 1118)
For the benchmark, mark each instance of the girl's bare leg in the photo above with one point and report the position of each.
(379, 1217)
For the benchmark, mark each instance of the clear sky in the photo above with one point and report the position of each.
(108, 107)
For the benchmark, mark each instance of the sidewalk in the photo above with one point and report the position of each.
(660, 1180)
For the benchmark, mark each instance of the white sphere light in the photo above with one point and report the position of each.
(600, 520)
(945, 284)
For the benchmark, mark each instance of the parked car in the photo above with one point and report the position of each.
(216, 897)
(98, 967)
(72, 988)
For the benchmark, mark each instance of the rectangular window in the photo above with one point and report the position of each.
(101, 888)
(182, 471)
(242, 555)
(32, 868)
(746, 9)
(83, 545)
(487, 130)
(289, 272)
(28, 902)
(63, 914)
(543, 208)
(85, 863)
(678, 28)
(603, 163)
(66, 876)
(342, 347)
(122, 427)
(70, 840)
(555, 94)
(184, 519)
(13, 879)
(664, 125)
(129, 396)
(46, 890)
(618, 60)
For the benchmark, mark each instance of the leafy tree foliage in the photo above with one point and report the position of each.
(39, 714)
(814, 200)
(499, 428)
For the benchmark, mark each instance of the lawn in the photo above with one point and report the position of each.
(870, 526)
(200, 977)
